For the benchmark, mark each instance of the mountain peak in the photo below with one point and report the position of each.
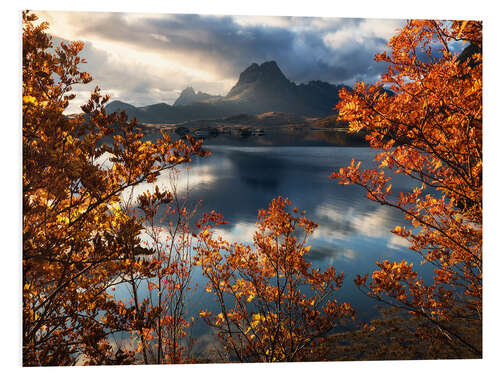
(270, 66)
(188, 91)
(266, 70)
(189, 96)
(261, 88)
(266, 74)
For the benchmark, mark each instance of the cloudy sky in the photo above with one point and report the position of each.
(149, 58)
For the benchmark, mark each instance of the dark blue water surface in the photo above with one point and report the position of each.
(353, 232)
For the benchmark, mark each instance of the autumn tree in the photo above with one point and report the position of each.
(429, 129)
(76, 238)
(273, 305)
(159, 330)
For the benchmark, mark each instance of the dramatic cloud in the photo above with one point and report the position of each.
(146, 58)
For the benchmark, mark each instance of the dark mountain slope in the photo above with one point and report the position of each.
(260, 88)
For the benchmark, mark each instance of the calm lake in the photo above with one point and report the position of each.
(238, 179)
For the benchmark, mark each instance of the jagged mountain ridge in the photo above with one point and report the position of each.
(189, 96)
(260, 88)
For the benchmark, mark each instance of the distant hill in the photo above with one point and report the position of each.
(189, 96)
(268, 119)
(260, 89)
(330, 122)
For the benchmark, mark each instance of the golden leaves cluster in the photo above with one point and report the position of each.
(425, 117)
(76, 239)
(274, 305)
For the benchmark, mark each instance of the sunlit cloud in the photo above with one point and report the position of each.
(149, 58)
(264, 21)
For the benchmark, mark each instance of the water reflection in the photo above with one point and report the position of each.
(330, 254)
(353, 232)
(237, 182)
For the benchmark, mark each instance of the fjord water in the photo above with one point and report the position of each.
(353, 232)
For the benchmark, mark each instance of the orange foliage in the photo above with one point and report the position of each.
(80, 239)
(160, 322)
(76, 238)
(430, 129)
(274, 306)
